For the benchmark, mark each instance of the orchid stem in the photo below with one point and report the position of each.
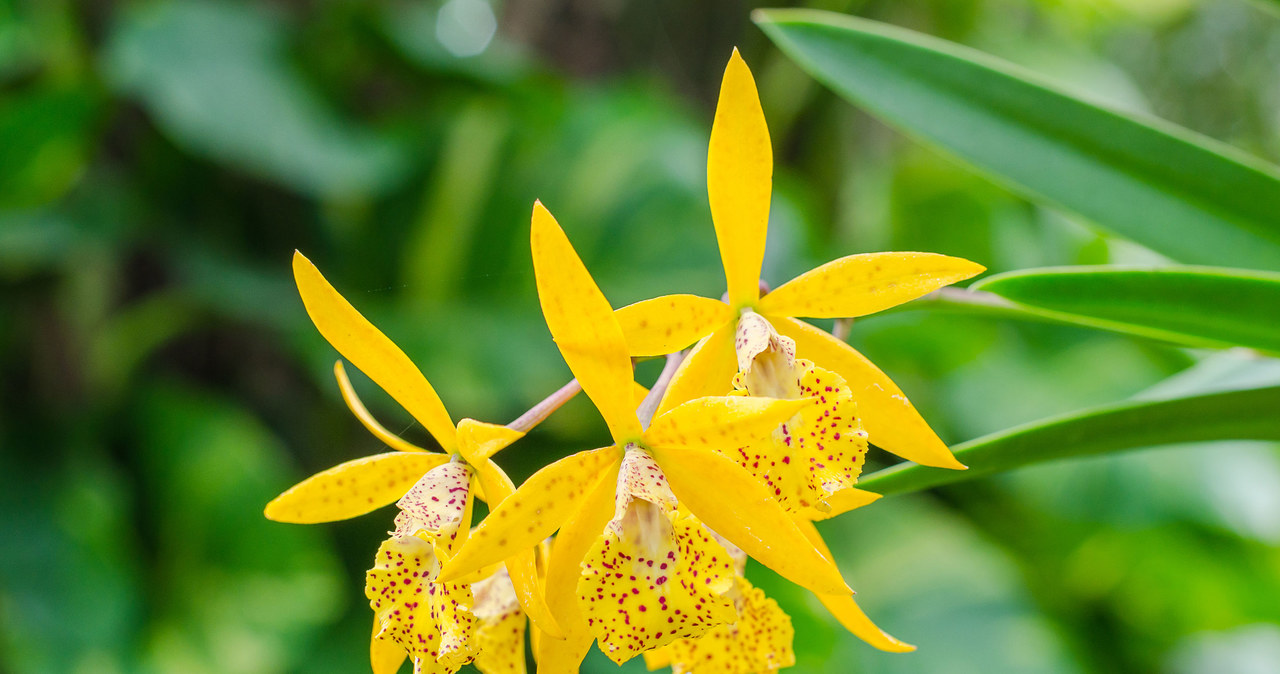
(649, 405)
(542, 410)
(841, 329)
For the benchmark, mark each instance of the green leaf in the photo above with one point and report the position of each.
(215, 78)
(1232, 415)
(1189, 305)
(1181, 194)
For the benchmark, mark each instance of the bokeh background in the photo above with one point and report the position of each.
(159, 380)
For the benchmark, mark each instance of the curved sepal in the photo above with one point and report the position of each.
(670, 323)
(707, 371)
(857, 285)
(368, 349)
(352, 488)
(582, 323)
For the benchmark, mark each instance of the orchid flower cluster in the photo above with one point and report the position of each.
(639, 546)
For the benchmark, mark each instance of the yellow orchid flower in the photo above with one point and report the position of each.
(616, 507)
(739, 183)
(812, 460)
(434, 490)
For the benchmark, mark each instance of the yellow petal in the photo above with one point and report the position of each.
(846, 610)
(740, 509)
(851, 616)
(563, 656)
(432, 621)
(740, 180)
(362, 413)
(577, 535)
(668, 324)
(707, 371)
(842, 502)
(352, 488)
(532, 513)
(890, 419)
(368, 349)
(582, 323)
(521, 566)
(858, 285)
(500, 633)
(646, 586)
(385, 655)
(658, 658)
(759, 641)
(721, 422)
(816, 453)
(477, 440)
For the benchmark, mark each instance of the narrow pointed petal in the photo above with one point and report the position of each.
(500, 634)
(532, 513)
(477, 440)
(842, 502)
(707, 371)
(352, 488)
(670, 323)
(521, 566)
(582, 323)
(577, 535)
(740, 180)
(892, 422)
(751, 519)
(722, 422)
(385, 655)
(368, 349)
(362, 413)
(845, 609)
(564, 656)
(851, 616)
(857, 285)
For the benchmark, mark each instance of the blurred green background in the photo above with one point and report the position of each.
(159, 380)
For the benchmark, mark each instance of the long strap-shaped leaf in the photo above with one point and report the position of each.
(1252, 414)
(1174, 191)
(1189, 305)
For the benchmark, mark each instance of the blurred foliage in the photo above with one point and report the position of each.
(159, 381)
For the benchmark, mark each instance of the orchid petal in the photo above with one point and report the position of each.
(352, 488)
(670, 323)
(532, 513)
(740, 180)
(582, 323)
(857, 285)
(751, 519)
(813, 455)
(477, 440)
(385, 656)
(412, 610)
(846, 610)
(842, 502)
(368, 349)
(500, 633)
(760, 640)
(563, 656)
(521, 566)
(722, 422)
(707, 371)
(366, 419)
(642, 591)
(890, 419)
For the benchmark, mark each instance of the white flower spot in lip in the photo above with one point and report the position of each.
(766, 359)
(437, 503)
